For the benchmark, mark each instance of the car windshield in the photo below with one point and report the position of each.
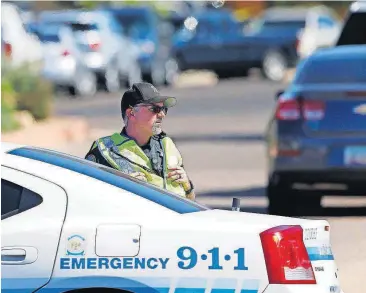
(333, 71)
(48, 33)
(111, 176)
(274, 27)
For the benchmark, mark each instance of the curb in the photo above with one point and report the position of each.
(50, 133)
(195, 78)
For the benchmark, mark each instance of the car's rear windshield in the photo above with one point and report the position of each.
(113, 177)
(77, 27)
(48, 33)
(351, 70)
(292, 26)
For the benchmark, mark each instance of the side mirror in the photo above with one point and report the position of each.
(278, 94)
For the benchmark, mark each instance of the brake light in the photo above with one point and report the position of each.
(288, 110)
(286, 258)
(65, 53)
(297, 45)
(94, 46)
(313, 110)
(296, 108)
(8, 49)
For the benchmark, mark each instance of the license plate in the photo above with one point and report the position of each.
(355, 156)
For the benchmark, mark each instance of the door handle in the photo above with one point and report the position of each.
(18, 255)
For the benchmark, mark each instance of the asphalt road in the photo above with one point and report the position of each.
(219, 131)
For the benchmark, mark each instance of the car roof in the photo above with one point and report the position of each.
(340, 52)
(9, 146)
(359, 6)
(42, 159)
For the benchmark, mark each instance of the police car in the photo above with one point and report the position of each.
(71, 225)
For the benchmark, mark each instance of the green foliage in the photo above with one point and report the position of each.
(8, 107)
(32, 93)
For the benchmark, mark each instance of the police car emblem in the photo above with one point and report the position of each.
(75, 245)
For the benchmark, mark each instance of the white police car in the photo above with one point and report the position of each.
(70, 225)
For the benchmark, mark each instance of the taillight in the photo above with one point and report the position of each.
(297, 45)
(8, 49)
(288, 110)
(94, 46)
(296, 108)
(65, 53)
(286, 258)
(313, 110)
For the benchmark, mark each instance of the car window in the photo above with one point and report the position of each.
(325, 22)
(333, 71)
(16, 199)
(111, 176)
(274, 27)
(354, 30)
(116, 27)
(81, 27)
(137, 26)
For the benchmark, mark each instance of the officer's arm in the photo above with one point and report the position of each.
(189, 188)
(191, 195)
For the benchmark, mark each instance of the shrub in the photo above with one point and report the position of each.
(33, 93)
(8, 107)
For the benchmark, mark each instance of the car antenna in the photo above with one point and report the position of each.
(236, 204)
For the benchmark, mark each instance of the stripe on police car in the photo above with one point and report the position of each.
(317, 253)
(158, 285)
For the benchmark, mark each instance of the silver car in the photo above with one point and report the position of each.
(316, 137)
(63, 62)
(106, 51)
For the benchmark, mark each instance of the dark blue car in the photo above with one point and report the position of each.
(144, 26)
(316, 137)
(211, 40)
(214, 40)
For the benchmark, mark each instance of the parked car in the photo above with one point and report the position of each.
(280, 37)
(16, 37)
(72, 225)
(317, 133)
(63, 61)
(354, 28)
(110, 55)
(146, 28)
(211, 40)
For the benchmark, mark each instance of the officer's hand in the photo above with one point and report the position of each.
(179, 175)
(139, 175)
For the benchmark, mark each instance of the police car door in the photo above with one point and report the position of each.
(32, 215)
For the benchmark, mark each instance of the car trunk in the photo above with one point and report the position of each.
(335, 111)
(296, 251)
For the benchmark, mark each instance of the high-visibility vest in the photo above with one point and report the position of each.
(125, 155)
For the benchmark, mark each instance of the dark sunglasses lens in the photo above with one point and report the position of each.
(158, 109)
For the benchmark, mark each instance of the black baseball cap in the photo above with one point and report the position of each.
(144, 93)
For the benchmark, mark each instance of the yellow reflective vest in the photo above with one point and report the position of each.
(125, 155)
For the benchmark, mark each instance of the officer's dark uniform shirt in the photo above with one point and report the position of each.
(156, 160)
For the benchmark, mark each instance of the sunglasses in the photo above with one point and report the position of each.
(155, 108)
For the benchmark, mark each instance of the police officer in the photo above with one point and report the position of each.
(142, 149)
